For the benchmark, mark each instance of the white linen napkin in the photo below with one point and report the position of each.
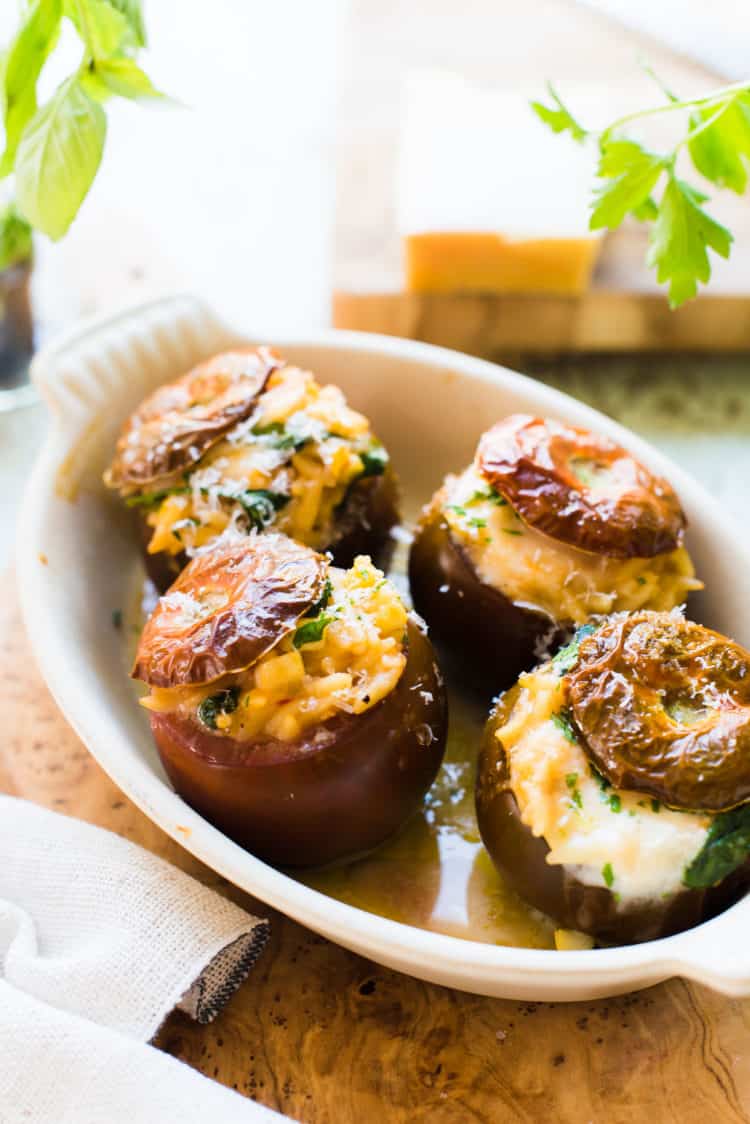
(99, 942)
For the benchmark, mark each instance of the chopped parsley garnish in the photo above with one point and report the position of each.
(564, 723)
(117, 618)
(310, 631)
(567, 657)
(457, 508)
(641, 580)
(491, 495)
(655, 806)
(511, 531)
(374, 459)
(727, 846)
(615, 802)
(608, 875)
(571, 780)
(478, 523)
(223, 702)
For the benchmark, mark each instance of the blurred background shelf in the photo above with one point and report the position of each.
(510, 46)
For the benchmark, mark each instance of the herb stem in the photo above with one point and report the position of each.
(716, 97)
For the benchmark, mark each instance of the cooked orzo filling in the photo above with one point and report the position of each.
(533, 569)
(290, 464)
(344, 656)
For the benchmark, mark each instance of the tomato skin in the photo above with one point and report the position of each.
(487, 639)
(363, 526)
(339, 791)
(521, 859)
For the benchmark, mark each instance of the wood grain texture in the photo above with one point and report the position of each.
(511, 45)
(330, 1038)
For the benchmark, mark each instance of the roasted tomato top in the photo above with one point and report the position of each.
(580, 488)
(249, 441)
(228, 606)
(329, 644)
(175, 425)
(662, 706)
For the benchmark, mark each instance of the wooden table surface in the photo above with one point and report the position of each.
(330, 1038)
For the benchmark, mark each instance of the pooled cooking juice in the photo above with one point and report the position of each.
(435, 874)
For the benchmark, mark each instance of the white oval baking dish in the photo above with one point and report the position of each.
(77, 559)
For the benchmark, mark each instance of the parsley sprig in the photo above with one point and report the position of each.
(633, 180)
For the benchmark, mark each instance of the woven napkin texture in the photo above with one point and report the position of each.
(99, 942)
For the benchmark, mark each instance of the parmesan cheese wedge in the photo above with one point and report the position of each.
(475, 209)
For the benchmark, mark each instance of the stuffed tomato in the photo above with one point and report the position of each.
(296, 705)
(613, 789)
(249, 442)
(549, 526)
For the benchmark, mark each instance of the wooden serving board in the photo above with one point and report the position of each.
(329, 1038)
(509, 44)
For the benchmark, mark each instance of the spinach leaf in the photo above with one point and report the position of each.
(223, 702)
(567, 657)
(151, 499)
(310, 631)
(259, 504)
(727, 846)
(374, 459)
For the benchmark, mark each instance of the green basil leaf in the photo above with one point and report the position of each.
(24, 60)
(727, 846)
(15, 238)
(58, 158)
(126, 79)
(104, 29)
(133, 13)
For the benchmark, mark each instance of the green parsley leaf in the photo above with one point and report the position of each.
(558, 117)
(223, 702)
(311, 631)
(655, 806)
(571, 779)
(629, 174)
(510, 531)
(680, 238)
(632, 180)
(727, 846)
(615, 802)
(721, 147)
(57, 158)
(608, 875)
